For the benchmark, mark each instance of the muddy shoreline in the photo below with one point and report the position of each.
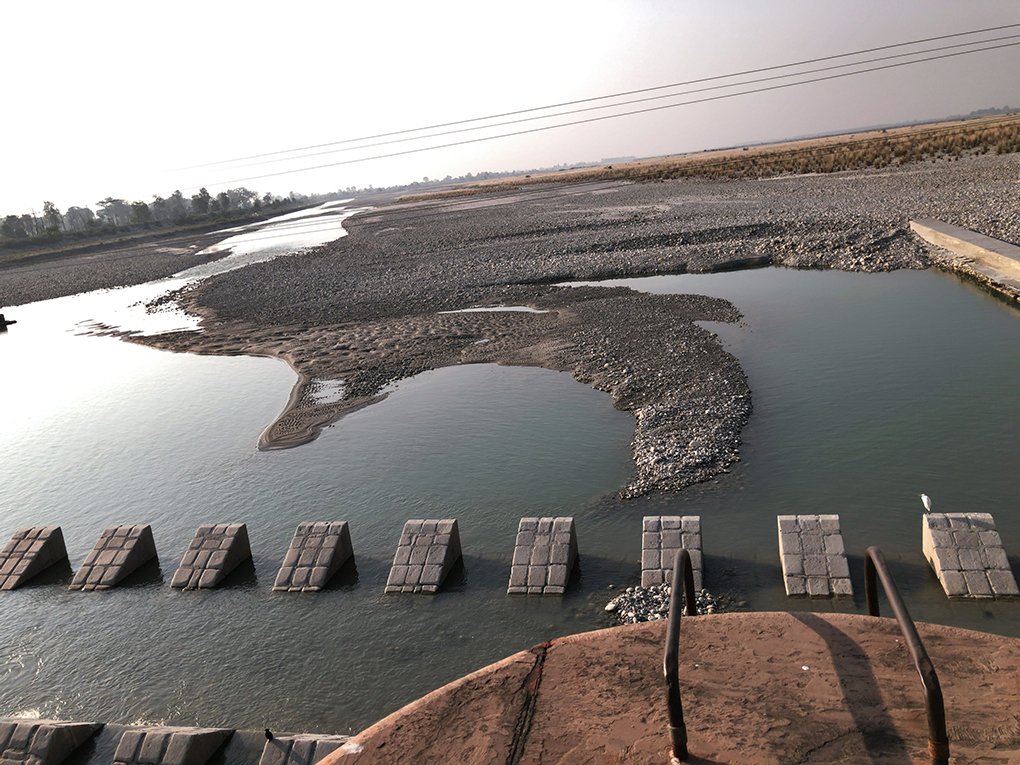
(367, 309)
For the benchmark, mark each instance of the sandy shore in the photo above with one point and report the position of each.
(370, 308)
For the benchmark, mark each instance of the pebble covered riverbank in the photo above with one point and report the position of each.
(368, 309)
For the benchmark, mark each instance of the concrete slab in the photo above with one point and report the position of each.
(42, 742)
(813, 557)
(316, 553)
(303, 749)
(966, 554)
(118, 552)
(162, 745)
(427, 551)
(992, 261)
(757, 689)
(215, 551)
(661, 537)
(30, 551)
(544, 556)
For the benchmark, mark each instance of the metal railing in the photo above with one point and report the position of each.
(938, 739)
(682, 568)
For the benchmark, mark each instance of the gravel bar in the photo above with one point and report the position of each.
(367, 309)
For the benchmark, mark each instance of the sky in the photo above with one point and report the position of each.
(129, 99)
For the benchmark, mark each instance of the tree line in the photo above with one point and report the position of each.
(113, 216)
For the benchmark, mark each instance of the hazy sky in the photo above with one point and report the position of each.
(107, 98)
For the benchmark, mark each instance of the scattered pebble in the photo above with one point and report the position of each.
(649, 604)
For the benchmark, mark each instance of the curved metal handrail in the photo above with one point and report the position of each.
(682, 567)
(938, 739)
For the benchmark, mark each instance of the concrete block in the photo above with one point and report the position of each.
(813, 556)
(818, 587)
(842, 588)
(25, 556)
(977, 584)
(426, 553)
(965, 551)
(659, 549)
(42, 742)
(160, 745)
(207, 568)
(995, 558)
(316, 553)
(1003, 584)
(796, 586)
(547, 559)
(954, 584)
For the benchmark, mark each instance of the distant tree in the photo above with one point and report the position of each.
(224, 200)
(267, 199)
(160, 209)
(77, 218)
(52, 217)
(13, 228)
(30, 224)
(114, 211)
(178, 206)
(140, 213)
(241, 198)
(200, 201)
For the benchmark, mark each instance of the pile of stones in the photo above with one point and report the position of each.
(649, 604)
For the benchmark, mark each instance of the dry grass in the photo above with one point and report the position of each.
(877, 150)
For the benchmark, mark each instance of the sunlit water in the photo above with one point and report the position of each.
(867, 390)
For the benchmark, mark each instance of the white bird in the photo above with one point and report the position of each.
(926, 501)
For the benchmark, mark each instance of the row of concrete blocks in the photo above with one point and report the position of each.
(963, 549)
(50, 742)
(544, 558)
(316, 553)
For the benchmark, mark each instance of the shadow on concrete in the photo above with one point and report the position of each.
(59, 573)
(345, 578)
(149, 574)
(242, 576)
(860, 692)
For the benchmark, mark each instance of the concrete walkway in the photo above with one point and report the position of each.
(991, 261)
(757, 688)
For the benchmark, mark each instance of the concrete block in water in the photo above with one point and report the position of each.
(215, 551)
(544, 556)
(41, 742)
(316, 553)
(119, 551)
(31, 551)
(427, 551)
(662, 536)
(966, 554)
(813, 557)
(304, 749)
(160, 745)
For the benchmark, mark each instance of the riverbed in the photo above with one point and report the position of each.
(868, 389)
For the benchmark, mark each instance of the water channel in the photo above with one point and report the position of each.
(868, 389)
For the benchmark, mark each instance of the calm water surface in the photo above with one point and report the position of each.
(867, 391)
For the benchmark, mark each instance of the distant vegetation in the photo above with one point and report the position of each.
(879, 149)
(884, 149)
(119, 218)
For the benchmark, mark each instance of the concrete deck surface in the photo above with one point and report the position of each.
(756, 687)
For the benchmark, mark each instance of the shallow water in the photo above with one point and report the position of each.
(868, 389)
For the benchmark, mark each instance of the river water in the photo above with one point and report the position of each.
(868, 389)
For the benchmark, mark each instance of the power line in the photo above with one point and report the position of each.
(620, 103)
(614, 116)
(605, 97)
